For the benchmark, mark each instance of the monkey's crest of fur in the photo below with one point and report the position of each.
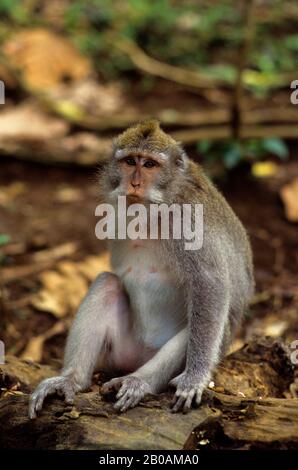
(146, 135)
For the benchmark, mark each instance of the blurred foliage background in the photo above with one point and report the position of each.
(173, 59)
(196, 34)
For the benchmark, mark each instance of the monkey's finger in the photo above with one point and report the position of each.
(69, 397)
(177, 394)
(127, 400)
(188, 401)
(126, 406)
(120, 404)
(173, 401)
(123, 389)
(135, 400)
(178, 405)
(106, 388)
(32, 412)
(198, 397)
(39, 401)
(113, 384)
(131, 402)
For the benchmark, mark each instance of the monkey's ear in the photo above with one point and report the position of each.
(181, 160)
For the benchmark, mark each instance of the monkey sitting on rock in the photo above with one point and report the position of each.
(166, 315)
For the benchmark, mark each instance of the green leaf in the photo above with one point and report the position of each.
(232, 155)
(276, 146)
(204, 146)
(253, 148)
(292, 42)
(4, 239)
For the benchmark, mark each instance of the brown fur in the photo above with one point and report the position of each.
(146, 135)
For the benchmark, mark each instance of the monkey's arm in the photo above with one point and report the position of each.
(166, 362)
(153, 376)
(208, 307)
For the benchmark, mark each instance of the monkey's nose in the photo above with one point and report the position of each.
(135, 185)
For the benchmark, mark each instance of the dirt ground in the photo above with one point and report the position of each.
(42, 207)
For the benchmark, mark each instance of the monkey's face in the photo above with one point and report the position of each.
(139, 176)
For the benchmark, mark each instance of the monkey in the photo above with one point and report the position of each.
(165, 316)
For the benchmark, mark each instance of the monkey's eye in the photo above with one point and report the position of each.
(130, 161)
(150, 164)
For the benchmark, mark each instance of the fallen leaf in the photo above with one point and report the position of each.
(63, 288)
(55, 253)
(93, 265)
(45, 58)
(7, 77)
(73, 414)
(68, 194)
(10, 192)
(16, 393)
(276, 330)
(88, 97)
(34, 348)
(4, 239)
(289, 196)
(14, 124)
(264, 169)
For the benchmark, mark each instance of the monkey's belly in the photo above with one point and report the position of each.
(157, 306)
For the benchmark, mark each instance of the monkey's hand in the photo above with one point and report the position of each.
(188, 388)
(61, 385)
(130, 390)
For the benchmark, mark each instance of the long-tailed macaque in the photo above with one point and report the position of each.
(166, 315)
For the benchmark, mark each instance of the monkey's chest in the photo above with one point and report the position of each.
(157, 303)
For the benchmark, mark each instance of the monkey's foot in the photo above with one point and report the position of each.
(130, 389)
(62, 385)
(188, 389)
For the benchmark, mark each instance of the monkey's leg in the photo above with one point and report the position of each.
(153, 376)
(208, 313)
(102, 316)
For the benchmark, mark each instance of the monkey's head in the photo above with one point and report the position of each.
(144, 162)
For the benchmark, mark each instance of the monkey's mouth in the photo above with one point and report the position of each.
(134, 197)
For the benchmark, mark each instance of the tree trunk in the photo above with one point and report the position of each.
(244, 410)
